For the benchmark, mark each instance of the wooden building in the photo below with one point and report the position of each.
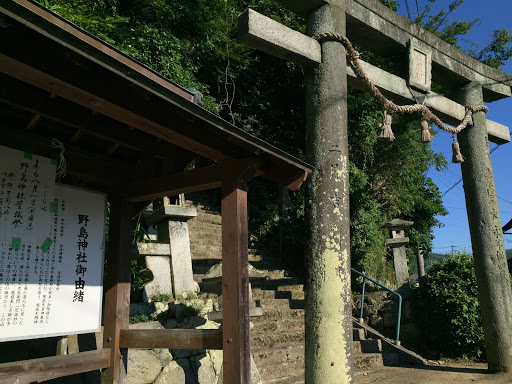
(132, 134)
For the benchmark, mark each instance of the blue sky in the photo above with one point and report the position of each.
(493, 14)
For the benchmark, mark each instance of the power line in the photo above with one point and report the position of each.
(458, 182)
(408, 10)
(453, 186)
(501, 198)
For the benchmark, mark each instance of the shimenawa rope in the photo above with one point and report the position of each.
(353, 57)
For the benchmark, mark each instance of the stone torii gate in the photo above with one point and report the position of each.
(376, 28)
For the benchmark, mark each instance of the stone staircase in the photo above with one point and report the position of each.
(277, 338)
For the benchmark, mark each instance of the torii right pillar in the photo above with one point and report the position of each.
(486, 236)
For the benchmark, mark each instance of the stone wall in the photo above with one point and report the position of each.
(174, 366)
(380, 311)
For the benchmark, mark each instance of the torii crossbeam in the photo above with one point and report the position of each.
(376, 28)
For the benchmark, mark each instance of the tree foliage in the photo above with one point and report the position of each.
(494, 54)
(448, 300)
(194, 44)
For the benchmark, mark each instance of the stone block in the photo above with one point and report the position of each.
(167, 212)
(150, 249)
(390, 320)
(420, 65)
(162, 282)
(203, 367)
(216, 357)
(181, 261)
(143, 366)
(141, 308)
(164, 355)
(177, 372)
(255, 374)
(147, 325)
(376, 322)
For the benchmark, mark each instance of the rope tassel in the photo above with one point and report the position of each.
(386, 133)
(457, 156)
(426, 135)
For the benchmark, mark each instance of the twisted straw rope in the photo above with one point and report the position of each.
(353, 57)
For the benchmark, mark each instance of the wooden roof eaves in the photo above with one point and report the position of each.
(57, 29)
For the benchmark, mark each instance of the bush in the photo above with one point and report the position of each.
(450, 308)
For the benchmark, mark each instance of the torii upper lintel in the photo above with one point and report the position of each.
(271, 37)
(377, 28)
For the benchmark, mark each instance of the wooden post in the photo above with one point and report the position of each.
(329, 355)
(117, 296)
(235, 282)
(486, 236)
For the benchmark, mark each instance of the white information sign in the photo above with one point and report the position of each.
(27, 184)
(56, 288)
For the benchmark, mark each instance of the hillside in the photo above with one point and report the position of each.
(438, 257)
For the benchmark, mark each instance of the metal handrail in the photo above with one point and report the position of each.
(387, 289)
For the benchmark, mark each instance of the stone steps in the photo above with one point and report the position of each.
(280, 339)
(358, 334)
(367, 346)
(265, 356)
(258, 294)
(282, 370)
(274, 283)
(277, 338)
(278, 314)
(292, 288)
(279, 325)
(274, 304)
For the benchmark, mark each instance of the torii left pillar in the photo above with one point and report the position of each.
(328, 312)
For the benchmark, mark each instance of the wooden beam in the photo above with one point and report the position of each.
(47, 368)
(171, 338)
(117, 291)
(254, 27)
(25, 97)
(60, 54)
(235, 282)
(113, 110)
(113, 147)
(89, 166)
(288, 177)
(77, 135)
(37, 17)
(33, 122)
(185, 182)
